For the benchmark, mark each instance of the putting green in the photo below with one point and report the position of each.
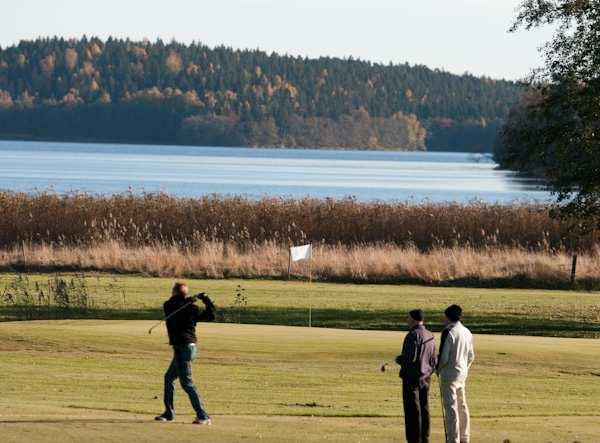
(102, 380)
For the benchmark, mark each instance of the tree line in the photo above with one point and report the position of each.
(142, 91)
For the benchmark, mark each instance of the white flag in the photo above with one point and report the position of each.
(301, 252)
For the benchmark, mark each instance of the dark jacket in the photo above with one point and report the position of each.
(418, 360)
(182, 326)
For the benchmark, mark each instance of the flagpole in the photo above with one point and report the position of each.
(309, 310)
(309, 295)
(303, 253)
(310, 269)
(289, 262)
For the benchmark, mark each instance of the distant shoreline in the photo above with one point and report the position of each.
(23, 138)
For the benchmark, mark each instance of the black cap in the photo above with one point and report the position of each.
(453, 312)
(417, 315)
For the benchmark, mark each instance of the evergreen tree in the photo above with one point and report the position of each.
(88, 89)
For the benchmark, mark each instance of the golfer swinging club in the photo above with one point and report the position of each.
(181, 327)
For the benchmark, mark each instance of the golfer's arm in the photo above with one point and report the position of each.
(471, 356)
(409, 348)
(400, 358)
(208, 314)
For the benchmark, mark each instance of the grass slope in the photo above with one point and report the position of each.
(383, 307)
(102, 380)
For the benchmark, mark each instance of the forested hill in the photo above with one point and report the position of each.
(121, 90)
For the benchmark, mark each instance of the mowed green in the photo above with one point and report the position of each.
(91, 380)
(351, 306)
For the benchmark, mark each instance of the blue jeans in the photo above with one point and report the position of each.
(181, 367)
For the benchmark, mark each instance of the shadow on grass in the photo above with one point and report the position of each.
(390, 320)
(519, 281)
(75, 420)
(395, 321)
(21, 313)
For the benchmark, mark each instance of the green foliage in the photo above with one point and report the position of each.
(240, 301)
(37, 299)
(164, 93)
(18, 292)
(554, 133)
(69, 293)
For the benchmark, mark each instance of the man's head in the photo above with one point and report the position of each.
(180, 290)
(415, 318)
(452, 314)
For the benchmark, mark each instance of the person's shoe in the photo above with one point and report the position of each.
(202, 421)
(163, 417)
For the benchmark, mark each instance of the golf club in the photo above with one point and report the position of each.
(192, 300)
(443, 410)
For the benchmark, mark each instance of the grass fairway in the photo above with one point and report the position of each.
(92, 380)
(382, 307)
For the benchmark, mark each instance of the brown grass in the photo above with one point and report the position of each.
(161, 219)
(385, 263)
(215, 237)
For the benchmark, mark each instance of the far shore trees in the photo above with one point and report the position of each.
(136, 91)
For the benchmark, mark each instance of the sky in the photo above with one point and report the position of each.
(455, 35)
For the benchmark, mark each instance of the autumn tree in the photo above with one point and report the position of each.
(554, 132)
(123, 90)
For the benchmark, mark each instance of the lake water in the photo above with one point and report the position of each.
(193, 171)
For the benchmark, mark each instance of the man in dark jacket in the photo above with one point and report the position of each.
(417, 363)
(182, 337)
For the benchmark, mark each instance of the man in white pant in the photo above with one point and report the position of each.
(455, 358)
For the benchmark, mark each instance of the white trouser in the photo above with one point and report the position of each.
(454, 399)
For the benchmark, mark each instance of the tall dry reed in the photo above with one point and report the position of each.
(159, 219)
(383, 263)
